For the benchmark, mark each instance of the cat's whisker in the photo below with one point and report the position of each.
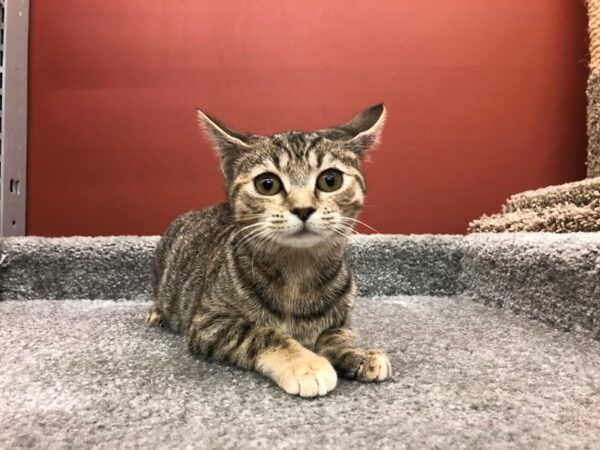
(255, 218)
(255, 237)
(248, 237)
(344, 232)
(249, 226)
(348, 229)
(264, 237)
(244, 229)
(247, 216)
(354, 221)
(252, 235)
(340, 230)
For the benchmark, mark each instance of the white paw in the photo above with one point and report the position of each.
(376, 367)
(307, 376)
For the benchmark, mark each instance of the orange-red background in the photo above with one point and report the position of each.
(485, 99)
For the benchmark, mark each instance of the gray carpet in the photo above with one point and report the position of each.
(550, 277)
(88, 373)
(118, 267)
(80, 373)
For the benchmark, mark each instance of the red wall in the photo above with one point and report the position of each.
(485, 99)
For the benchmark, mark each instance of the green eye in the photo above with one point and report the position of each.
(330, 180)
(267, 184)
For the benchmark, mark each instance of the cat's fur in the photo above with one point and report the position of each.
(244, 281)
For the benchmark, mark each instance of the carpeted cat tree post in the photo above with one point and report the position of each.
(593, 91)
(569, 207)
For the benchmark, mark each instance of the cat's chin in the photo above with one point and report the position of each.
(306, 240)
(301, 239)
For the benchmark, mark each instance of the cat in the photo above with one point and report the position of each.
(262, 281)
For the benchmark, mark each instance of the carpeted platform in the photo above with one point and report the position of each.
(89, 374)
(551, 277)
(567, 208)
(82, 374)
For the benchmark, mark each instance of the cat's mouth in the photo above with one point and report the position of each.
(304, 237)
(304, 231)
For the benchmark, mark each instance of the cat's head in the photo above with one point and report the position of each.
(296, 188)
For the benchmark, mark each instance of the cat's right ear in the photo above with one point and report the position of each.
(226, 141)
(362, 132)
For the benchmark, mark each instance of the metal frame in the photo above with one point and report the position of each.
(14, 34)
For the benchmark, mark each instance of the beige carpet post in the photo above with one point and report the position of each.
(593, 91)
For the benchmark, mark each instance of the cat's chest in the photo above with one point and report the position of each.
(303, 299)
(295, 289)
(302, 309)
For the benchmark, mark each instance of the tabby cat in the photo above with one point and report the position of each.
(262, 281)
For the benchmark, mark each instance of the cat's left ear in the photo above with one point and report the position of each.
(362, 132)
(227, 141)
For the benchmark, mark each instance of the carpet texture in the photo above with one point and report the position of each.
(560, 218)
(549, 277)
(77, 267)
(593, 125)
(561, 271)
(593, 91)
(567, 208)
(89, 374)
(119, 267)
(578, 193)
(82, 374)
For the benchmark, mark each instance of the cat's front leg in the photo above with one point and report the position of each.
(297, 370)
(337, 345)
(267, 350)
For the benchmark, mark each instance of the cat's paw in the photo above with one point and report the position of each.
(154, 318)
(374, 367)
(307, 376)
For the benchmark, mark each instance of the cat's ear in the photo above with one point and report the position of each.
(227, 142)
(362, 132)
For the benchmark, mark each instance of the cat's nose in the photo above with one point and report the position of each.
(303, 213)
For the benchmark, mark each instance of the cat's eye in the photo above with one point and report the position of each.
(267, 184)
(330, 180)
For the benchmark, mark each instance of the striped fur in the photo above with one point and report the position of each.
(249, 282)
